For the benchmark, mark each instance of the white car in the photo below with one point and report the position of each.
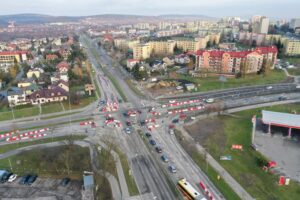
(12, 178)
(269, 87)
(210, 100)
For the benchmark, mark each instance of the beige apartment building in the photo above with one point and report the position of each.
(291, 46)
(141, 51)
(162, 47)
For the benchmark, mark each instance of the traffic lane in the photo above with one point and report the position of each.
(180, 159)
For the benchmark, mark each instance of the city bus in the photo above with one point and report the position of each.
(189, 191)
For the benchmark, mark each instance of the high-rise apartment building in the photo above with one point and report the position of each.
(260, 24)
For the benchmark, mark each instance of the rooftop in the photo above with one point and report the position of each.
(281, 119)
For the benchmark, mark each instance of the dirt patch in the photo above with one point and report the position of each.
(209, 133)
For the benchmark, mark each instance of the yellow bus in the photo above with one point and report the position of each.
(189, 191)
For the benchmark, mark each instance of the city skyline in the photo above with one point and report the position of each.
(215, 8)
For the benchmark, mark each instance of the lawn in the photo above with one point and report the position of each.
(104, 190)
(223, 187)
(52, 108)
(213, 83)
(10, 147)
(244, 167)
(293, 61)
(132, 187)
(19, 112)
(294, 71)
(54, 162)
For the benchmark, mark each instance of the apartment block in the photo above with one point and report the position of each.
(291, 46)
(230, 62)
(141, 51)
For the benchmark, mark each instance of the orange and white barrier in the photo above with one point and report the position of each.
(181, 103)
(86, 123)
(185, 110)
(206, 191)
(8, 134)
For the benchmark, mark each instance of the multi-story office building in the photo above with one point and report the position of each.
(230, 62)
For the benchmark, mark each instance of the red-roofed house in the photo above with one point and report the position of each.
(131, 63)
(230, 62)
(51, 57)
(62, 67)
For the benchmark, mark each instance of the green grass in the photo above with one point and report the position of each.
(244, 167)
(19, 112)
(10, 147)
(55, 162)
(199, 159)
(293, 60)
(131, 184)
(294, 71)
(213, 83)
(134, 88)
(51, 108)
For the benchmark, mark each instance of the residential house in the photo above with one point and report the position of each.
(168, 61)
(25, 82)
(62, 84)
(182, 59)
(55, 94)
(131, 63)
(16, 97)
(59, 76)
(62, 67)
(36, 72)
(51, 57)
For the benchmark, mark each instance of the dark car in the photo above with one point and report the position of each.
(282, 98)
(175, 121)
(128, 124)
(31, 179)
(158, 149)
(65, 181)
(152, 142)
(165, 158)
(5, 177)
(148, 135)
(143, 123)
(24, 179)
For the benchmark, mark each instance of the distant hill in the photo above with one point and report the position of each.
(199, 17)
(39, 18)
(34, 19)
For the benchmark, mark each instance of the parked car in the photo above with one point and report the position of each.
(24, 179)
(5, 177)
(158, 149)
(152, 142)
(12, 178)
(65, 181)
(31, 179)
(269, 87)
(127, 130)
(172, 168)
(171, 131)
(165, 158)
(128, 123)
(148, 135)
(175, 121)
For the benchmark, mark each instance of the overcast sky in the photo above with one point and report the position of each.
(214, 8)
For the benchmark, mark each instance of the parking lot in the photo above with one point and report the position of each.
(284, 151)
(42, 188)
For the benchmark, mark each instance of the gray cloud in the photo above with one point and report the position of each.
(272, 8)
